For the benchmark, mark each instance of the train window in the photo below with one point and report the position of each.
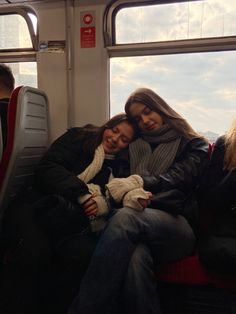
(25, 73)
(14, 32)
(19, 43)
(193, 73)
(200, 86)
(178, 20)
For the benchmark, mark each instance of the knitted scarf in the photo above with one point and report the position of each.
(144, 161)
(95, 165)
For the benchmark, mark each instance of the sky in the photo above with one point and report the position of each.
(200, 86)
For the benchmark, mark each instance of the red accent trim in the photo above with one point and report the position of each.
(11, 120)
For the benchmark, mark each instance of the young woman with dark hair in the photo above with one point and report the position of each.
(156, 224)
(67, 206)
(77, 167)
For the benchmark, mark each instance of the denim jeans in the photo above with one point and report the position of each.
(122, 267)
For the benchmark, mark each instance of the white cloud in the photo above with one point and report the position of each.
(200, 86)
(227, 94)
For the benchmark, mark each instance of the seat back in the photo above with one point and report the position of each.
(27, 141)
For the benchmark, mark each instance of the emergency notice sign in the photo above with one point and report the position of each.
(87, 29)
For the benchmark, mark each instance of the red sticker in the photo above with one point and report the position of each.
(87, 18)
(87, 37)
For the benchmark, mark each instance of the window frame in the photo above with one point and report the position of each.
(21, 54)
(157, 48)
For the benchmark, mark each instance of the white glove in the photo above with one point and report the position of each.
(118, 187)
(131, 199)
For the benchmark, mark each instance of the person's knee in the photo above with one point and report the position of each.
(124, 219)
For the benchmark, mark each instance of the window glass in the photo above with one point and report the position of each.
(25, 73)
(176, 21)
(200, 86)
(14, 32)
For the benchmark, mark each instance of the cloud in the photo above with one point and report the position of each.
(228, 94)
(200, 86)
(172, 21)
(202, 92)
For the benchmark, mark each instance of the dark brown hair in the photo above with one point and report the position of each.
(94, 134)
(153, 101)
(7, 80)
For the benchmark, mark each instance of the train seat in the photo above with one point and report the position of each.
(186, 286)
(191, 271)
(27, 140)
(193, 287)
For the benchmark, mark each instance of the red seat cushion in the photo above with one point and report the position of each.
(191, 271)
(187, 271)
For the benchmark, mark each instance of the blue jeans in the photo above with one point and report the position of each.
(122, 267)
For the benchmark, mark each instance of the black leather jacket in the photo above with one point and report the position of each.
(174, 190)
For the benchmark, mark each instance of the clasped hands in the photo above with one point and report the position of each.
(130, 191)
(90, 207)
(95, 203)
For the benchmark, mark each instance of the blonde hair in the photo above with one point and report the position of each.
(230, 147)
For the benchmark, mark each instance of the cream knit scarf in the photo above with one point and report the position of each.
(95, 165)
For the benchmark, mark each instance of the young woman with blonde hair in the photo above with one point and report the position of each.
(230, 147)
(218, 244)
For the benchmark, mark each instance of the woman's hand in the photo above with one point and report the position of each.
(118, 187)
(145, 202)
(90, 207)
(137, 199)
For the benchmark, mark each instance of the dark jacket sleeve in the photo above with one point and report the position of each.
(172, 188)
(58, 169)
(218, 185)
(214, 173)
